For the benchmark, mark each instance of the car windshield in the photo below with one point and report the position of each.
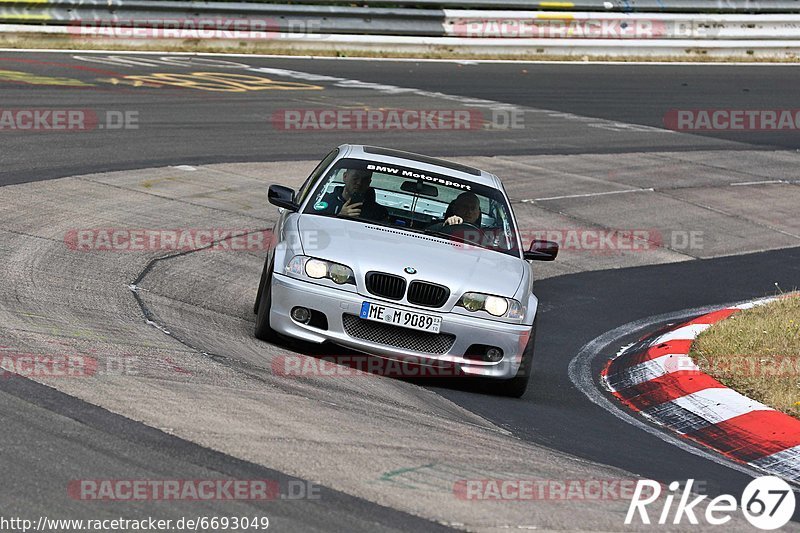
(415, 200)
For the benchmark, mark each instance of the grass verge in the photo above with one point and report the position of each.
(757, 352)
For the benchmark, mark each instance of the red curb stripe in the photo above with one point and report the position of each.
(667, 388)
(752, 435)
(713, 318)
(678, 346)
(749, 437)
(620, 364)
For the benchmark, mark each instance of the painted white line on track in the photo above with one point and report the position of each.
(587, 195)
(765, 182)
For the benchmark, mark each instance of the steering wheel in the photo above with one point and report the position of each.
(464, 229)
(467, 225)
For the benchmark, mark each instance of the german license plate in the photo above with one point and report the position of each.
(399, 317)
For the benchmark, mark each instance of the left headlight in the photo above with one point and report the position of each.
(302, 265)
(494, 305)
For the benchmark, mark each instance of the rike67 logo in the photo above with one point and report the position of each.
(767, 502)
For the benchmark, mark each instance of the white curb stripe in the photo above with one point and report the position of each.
(756, 303)
(683, 333)
(719, 405)
(647, 370)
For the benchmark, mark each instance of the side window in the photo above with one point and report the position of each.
(312, 179)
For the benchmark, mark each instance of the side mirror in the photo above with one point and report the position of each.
(542, 251)
(282, 197)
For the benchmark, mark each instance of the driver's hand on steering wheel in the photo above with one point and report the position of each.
(453, 220)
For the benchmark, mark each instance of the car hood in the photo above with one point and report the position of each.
(366, 247)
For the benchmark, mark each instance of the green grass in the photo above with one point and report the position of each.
(757, 352)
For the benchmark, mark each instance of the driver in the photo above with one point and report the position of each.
(465, 209)
(356, 199)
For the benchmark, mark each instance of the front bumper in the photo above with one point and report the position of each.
(288, 292)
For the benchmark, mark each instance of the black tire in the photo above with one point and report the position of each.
(264, 272)
(516, 386)
(263, 305)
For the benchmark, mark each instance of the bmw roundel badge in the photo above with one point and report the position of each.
(410, 270)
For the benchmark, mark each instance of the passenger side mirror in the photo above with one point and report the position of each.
(282, 197)
(541, 251)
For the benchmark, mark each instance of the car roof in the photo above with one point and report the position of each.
(421, 162)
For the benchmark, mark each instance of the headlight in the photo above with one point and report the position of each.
(339, 273)
(472, 301)
(494, 305)
(317, 269)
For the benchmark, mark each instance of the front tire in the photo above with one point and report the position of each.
(263, 305)
(516, 386)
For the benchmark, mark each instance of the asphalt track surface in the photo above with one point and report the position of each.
(195, 127)
(180, 126)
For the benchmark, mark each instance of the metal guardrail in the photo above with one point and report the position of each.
(254, 16)
(621, 20)
(620, 6)
(330, 19)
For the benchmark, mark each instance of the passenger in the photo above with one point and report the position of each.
(465, 209)
(356, 199)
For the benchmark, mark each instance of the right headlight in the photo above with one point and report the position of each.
(494, 305)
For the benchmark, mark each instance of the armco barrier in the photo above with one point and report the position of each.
(621, 6)
(610, 28)
(400, 21)
(272, 17)
(539, 24)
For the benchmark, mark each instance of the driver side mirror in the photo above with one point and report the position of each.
(541, 251)
(282, 197)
